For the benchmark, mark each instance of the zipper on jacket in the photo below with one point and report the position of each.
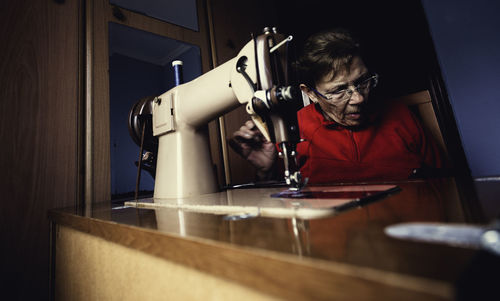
(355, 146)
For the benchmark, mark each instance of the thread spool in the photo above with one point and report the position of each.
(178, 78)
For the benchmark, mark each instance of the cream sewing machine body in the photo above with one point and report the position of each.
(256, 77)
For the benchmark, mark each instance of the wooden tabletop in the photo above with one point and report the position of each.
(348, 250)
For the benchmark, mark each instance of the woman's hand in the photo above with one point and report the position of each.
(249, 142)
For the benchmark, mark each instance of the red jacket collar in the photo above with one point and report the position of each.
(318, 114)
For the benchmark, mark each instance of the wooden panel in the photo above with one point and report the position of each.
(333, 257)
(281, 275)
(38, 134)
(341, 238)
(91, 268)
(415, 98)
(421, 104)
(145, 23)
(101, 172)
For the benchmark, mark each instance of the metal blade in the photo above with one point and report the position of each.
(456, 235)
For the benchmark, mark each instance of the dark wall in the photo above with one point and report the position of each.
(467, 41)
(394, 35)
(129, 81)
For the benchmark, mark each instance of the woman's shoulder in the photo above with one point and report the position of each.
(309, 114)
(309, 119)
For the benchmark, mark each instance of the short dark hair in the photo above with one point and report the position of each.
(327, 51)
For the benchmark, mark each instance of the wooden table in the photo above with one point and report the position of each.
(131, 253)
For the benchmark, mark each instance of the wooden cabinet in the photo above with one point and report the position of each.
(190, 250)
(39, 135)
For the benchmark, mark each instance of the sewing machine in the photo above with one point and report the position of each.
(258, 78)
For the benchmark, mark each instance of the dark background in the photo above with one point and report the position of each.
(393, 34)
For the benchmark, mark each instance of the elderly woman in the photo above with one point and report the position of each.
(346, 136)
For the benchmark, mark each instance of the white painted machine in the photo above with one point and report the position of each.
(258, 78)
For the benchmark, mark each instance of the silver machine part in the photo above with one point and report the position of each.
(456, 235)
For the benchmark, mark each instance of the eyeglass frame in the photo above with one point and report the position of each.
(374, 76)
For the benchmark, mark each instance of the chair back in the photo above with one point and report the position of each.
(420, 104)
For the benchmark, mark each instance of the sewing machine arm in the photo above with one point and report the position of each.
(257, 77)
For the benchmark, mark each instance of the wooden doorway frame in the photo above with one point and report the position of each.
(97, 179)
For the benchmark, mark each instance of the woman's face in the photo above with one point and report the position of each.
(339, 99)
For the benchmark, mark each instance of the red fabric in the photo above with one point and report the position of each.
(389, 149)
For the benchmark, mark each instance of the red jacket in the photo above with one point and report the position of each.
(390, 148)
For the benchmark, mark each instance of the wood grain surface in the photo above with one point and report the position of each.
(39, 75)
(346, 256)
(102, 275)
(276, 274)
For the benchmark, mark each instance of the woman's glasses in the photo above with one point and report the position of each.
(344, 92)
